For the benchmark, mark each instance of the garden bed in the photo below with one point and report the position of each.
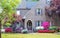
(46, 31)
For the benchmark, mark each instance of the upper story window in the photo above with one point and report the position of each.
(48, 2)
(39, 11)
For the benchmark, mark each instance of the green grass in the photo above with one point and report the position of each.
(32, 35)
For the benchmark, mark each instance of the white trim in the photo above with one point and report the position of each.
(36, 23)
(39, 10)
(50, 23)
(29, 19)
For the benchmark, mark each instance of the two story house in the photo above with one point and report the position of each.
(33, 13)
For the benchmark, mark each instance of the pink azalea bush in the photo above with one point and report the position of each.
(46, 25)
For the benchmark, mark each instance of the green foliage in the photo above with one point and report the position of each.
(7, 24)
(8, 8)
(52, 28)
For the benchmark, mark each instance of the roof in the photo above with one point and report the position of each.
(23, 8)
(26, 4)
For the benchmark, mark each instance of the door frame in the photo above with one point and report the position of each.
(29, 22)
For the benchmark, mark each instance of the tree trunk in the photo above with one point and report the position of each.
(0, 24)
(0, 28)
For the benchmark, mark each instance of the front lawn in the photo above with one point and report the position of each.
(32, 35)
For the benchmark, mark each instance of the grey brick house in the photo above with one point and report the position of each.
(33, 12)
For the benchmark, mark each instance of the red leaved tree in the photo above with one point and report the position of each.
(54, 11)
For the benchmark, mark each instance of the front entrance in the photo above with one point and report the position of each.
(29, 25)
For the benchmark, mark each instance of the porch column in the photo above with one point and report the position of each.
(23, 21)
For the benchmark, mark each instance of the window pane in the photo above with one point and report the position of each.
(37, 23)
(48, 2)
(39, 11)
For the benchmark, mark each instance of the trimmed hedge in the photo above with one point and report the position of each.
(52, 28)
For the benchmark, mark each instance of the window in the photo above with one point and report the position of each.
(48, 2)
(39, 11)
(38, 23)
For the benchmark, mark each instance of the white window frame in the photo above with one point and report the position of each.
(36, 23)
(39, 10)
(51, 23)
(48, 2)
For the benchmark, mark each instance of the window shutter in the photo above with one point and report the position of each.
(41, 13)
